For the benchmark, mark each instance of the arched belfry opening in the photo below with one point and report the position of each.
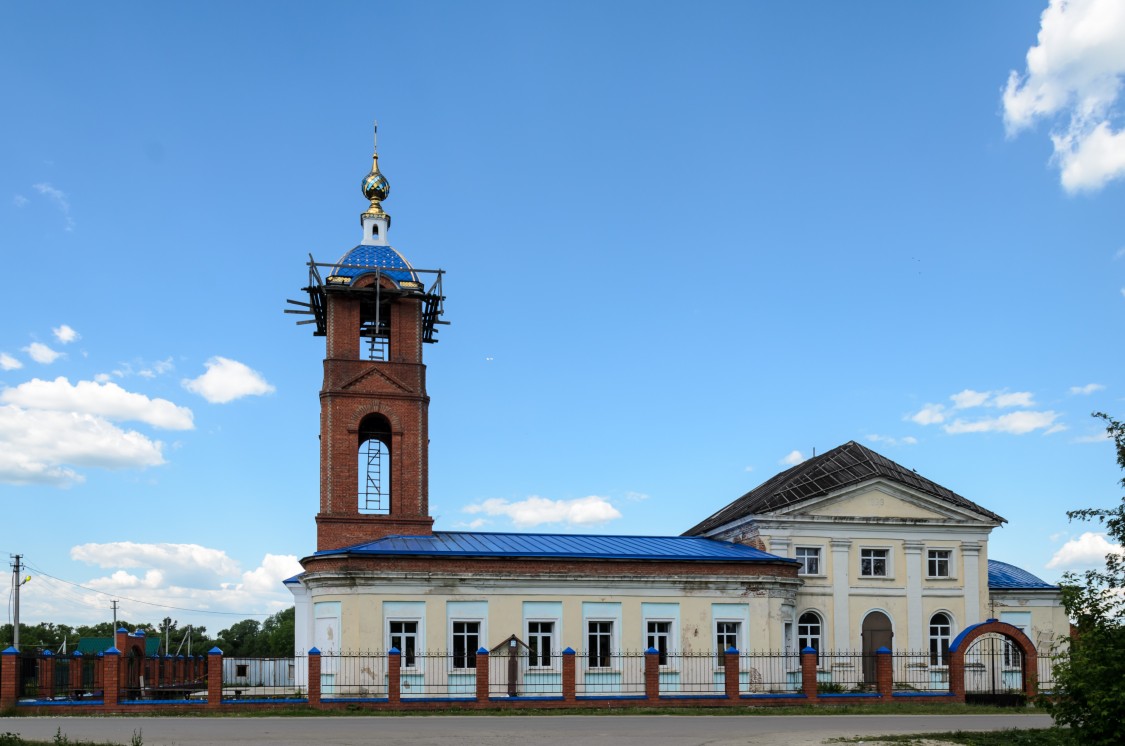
(376, 311)
(374, 483)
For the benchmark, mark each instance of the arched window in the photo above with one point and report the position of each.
(941, 630)
(808, 631)
(375, 465)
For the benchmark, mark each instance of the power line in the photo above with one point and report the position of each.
(146, 603)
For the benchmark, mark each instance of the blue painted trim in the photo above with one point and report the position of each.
(405, 700)
(652, 651)
(482, 650)
(11, 650)
(883, 651)
(112, 651)
(394, 651)
(313, 651)
(850, 695)
(716, 695)
(612, 696)
(808, 649)
(249, 701)
(47, 654)
(568, 651)
(60, 703)
(122, 629)
(214, 651)
(164, 702)
(774, 695)
(732, 649)
(139, 633)
(349, 700)
(923, 694)
(528, 698)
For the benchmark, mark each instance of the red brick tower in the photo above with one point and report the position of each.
(376, 312)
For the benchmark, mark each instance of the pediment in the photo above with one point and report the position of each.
(374, 380)
(880, 499)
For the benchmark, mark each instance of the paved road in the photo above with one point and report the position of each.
(545, 730)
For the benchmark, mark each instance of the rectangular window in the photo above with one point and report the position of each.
(809, 557)
(404, 636)
(873, 563)
(540, 640)
(599, 636)
(466, 641)
(726, 637)
(937, 564)
(658, 635)
(242, 670)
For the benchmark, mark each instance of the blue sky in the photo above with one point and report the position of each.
(685, 245)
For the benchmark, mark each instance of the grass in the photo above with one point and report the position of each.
(1010, 737)
(61, 739)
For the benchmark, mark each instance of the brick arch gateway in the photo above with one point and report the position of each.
(964, 641)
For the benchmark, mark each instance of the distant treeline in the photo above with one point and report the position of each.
(248, 638)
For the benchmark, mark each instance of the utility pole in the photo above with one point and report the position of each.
(16, 598)
(113, 634)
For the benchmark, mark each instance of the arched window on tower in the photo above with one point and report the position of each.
(375, 465)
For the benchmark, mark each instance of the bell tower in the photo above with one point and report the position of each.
(376, 312)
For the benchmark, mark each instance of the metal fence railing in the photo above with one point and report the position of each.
(525, 675)
(264, 678)
(692, 673)
(766, 672)
(919, 671)
(438, 674)
(844, 671)
(610, 674)
(353, 676)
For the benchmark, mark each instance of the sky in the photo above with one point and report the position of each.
(686, 246)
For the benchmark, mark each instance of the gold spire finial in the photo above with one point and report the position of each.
(375, 185)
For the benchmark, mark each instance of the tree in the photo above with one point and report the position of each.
(1090, 681)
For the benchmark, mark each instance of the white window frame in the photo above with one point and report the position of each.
(468, 653)
(555, 654)
(721, 651)
(419, 637)
(948, 563)
(942, 656)
(803, 570)
(888, 562)
(669, 635)
(613, 630)
(819, 636)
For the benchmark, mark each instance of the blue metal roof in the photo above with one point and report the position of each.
(575, 546)
(1003, 575)
(383, 257)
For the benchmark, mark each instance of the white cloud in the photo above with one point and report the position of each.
(65, 334)
(227, 380)
(186, 575)
(1096, 438)
(41, 353)
(930, 414)
(40, 447)
(1075, 71)
(537, 510)
(636, 497)
(890, 440)
(106, 400)
(1089, 388)
(749, 469)
(1088, 550)
(158, 368)
(1120, 253)
(792, 459)
(7, 362)
(969, 398)
(1003, 400)
(19, 200)
(1015, 423)
(60, 199)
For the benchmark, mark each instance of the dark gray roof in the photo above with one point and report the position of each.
(1001, 575)
(841, 467)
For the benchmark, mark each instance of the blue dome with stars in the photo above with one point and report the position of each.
(366, 258)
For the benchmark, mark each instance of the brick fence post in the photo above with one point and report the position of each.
(957, 677)
(569, 690)
(214, 677)
(808, 673)
(652, 674)
(9, 678)
(394, 676)
(111, 678)
(99, 674)
(75, 673)
(482, 674)
(46, 675)
(884, 673)
(731, 673)
(314, 677)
